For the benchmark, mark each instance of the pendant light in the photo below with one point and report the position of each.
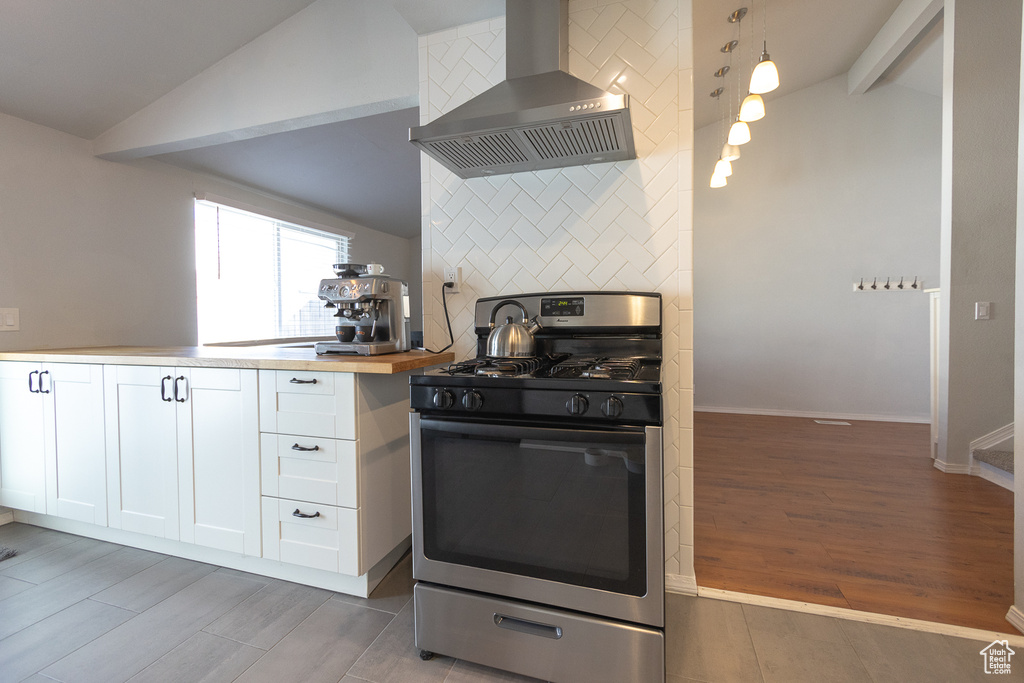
(718, 181)
(765, 76)
(730, 152)
(739, 133)
(723, 168)
(752, 108)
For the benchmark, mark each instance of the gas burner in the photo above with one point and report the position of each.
(613, 368)
(507, 367)
(596, 368)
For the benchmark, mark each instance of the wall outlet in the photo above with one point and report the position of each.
(453, 275)
(9, 320)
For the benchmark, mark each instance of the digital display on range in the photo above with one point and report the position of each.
(562, 307)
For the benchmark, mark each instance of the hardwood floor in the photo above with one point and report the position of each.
(849, 516)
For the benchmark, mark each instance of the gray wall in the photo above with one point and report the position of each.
(832, 188)
(979, 195)
(97, 253)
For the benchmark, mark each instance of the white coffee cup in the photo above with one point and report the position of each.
(374, 269)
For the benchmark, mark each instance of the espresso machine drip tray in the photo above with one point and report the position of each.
(359, 348)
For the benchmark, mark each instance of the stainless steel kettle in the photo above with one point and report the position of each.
(512, 340)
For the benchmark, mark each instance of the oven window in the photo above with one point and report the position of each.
(568, 506)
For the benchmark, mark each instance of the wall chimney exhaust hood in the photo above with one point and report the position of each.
(540, 116)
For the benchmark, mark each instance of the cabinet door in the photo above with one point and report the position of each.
(22, 462)
(142, 449)
(76, 484)
(218, 459)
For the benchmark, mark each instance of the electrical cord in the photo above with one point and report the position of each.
(451, 337)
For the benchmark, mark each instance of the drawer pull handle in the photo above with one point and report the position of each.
(163, 389)
(296, 380)
(303, 515)
(297, 447)
(41, 390)
(532, 628)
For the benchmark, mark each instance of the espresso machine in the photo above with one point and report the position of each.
(373, 311)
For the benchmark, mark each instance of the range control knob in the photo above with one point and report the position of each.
(577, 405)
(443, 399)
(612, 407)
(472, 400)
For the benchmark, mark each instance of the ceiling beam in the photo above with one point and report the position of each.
(906, 25)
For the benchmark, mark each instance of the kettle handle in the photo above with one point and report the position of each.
(507, 302)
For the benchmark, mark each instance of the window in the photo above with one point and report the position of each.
(257, 277)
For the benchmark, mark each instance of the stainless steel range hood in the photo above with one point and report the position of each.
(540, 116)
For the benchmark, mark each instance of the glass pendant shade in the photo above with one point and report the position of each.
(765, 77)
(723, 168)
(718, 181)
(739, 134)
(730, 152)
(752, 108)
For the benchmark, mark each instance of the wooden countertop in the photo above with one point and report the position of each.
(258, 357)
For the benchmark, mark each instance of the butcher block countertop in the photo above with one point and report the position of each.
(258, 357)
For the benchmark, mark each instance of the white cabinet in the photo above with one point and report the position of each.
(183, 454)
(219, 477)
(22, 459)
(74, 433)
(335, 468)
(142, 449)
(52, 440)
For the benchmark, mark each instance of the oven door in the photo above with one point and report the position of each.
(563, 516)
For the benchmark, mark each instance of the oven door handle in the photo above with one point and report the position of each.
(501, 431)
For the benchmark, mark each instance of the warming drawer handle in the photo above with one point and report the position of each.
(296, 380)
(297, 447)
(532, 628)
(621, 435)
(303, 515)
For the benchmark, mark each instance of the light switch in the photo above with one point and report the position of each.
(9, 320)
(981, 310)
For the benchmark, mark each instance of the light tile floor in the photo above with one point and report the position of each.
(77, 609)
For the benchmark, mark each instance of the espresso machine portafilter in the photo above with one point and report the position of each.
(372, 311)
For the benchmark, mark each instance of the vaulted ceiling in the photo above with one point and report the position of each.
(84, 67)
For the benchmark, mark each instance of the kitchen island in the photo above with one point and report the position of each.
(266, 459)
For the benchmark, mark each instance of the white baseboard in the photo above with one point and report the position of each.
(993, 438)
(683, 585)
(1016, 617)
(6, 516)
(944, 466)
(359, 586)
(992, 474)
(914, 419)
(1015, 639)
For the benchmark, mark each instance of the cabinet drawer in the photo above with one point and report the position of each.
(311, 403)
(328, 540)
(310, 469)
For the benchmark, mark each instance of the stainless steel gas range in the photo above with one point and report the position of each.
(537, 491)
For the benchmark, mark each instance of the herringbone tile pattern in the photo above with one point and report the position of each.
(621, 226)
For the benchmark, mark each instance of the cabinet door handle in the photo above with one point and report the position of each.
(163, 389)
(41, 390)
(297, 447)
(183, 393)
(31, 390)
(303, 515)
(296, 380)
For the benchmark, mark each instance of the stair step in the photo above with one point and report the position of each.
(999, 459)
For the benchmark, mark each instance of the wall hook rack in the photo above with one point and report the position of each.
(890, 284)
